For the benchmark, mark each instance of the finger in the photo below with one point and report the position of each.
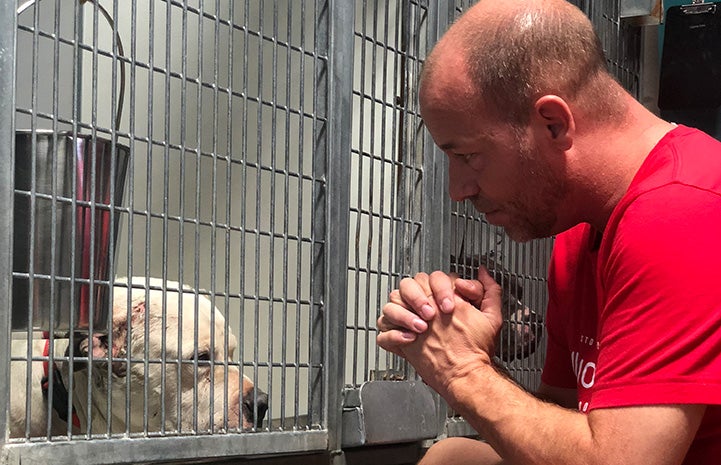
(492, 289)
(443, 290)
(471, 290)
(395, 297)
(415, 292)
(396, 316)
(491, 302)
(422, 279)
(395, 340)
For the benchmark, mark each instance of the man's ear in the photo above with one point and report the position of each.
(554, 116)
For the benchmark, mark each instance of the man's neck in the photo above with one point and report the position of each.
(612, 158)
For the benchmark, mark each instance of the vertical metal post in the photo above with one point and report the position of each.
(436, 212)
(334, 78)
(7, 184)
(318, 329)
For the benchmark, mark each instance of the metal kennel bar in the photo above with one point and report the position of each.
(336, 221)
(7, 149)
(397, 215)
(389, 186)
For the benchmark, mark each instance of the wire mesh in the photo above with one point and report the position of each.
(621, 43)
(387, 173)
(220, 124)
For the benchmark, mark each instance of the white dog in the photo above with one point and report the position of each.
(161, 350)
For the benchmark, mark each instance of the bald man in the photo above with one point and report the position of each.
(543, 141)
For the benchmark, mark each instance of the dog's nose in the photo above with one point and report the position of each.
(260, 405)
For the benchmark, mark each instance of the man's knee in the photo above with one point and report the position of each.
(460, 451)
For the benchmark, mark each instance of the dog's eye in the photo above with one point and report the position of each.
(204, 356)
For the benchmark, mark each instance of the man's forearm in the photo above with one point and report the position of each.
(526, 431)
(522, 428)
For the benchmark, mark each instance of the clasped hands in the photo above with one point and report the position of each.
(444, 326)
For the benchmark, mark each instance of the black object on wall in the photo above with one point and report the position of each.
(691, 60)
(690, 75)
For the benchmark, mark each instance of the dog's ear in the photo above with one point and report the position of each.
(121, 328)
(99, 346)
(82, 346)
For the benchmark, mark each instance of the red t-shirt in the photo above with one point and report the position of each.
(634, 315)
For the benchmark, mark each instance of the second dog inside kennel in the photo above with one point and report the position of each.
(210, 204)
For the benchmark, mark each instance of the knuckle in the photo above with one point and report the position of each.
(419, 300)
(476, 286)
(395, 298)
(405, 282)
(438, 274)
(386, 316)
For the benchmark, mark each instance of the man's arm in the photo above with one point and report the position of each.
(567, 398)
(452, 356)
(525, 430)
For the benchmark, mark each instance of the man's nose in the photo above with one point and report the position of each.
(461, 182)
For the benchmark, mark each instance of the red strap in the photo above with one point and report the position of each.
(46, 353)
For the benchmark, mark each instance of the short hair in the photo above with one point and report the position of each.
(541, 48)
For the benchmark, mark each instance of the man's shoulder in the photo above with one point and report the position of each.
(685, 160)
(688, 155)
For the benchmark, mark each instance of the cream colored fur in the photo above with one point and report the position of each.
(223, 389)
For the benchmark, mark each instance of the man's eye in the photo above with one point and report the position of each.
(465, 156)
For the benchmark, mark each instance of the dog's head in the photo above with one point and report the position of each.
(173, 349)
(522, 328)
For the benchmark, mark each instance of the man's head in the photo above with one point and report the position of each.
(503, 94)
(515, 51)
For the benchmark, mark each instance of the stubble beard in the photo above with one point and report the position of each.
(533, 211)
